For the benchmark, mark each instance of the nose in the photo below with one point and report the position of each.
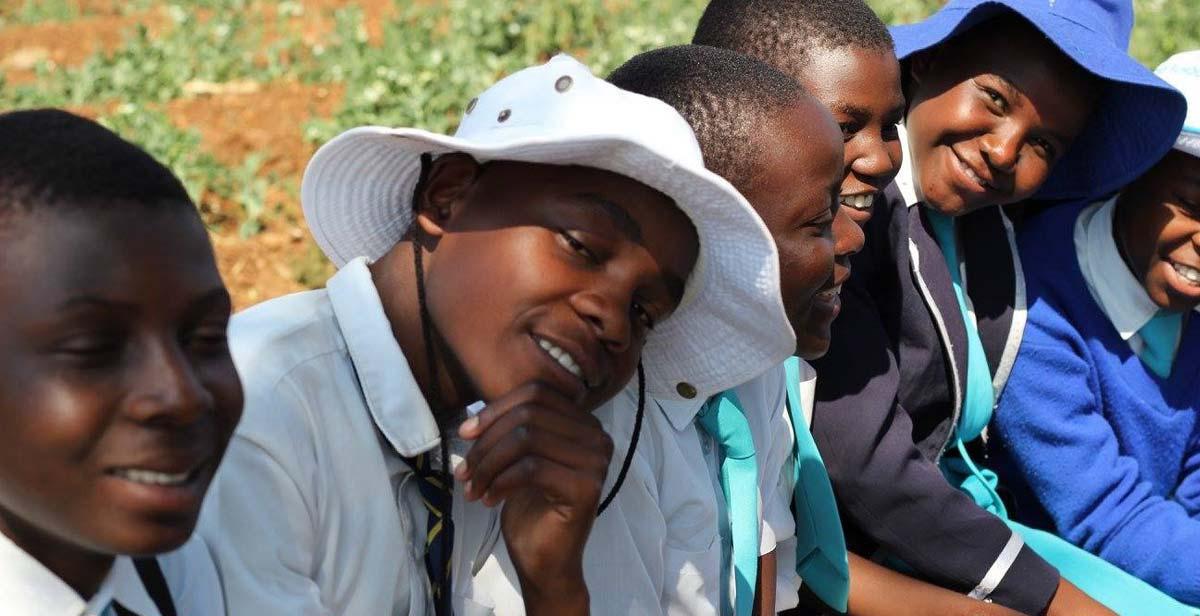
(1001, 148)
(606, 308)
(848, 237)
(167, 389)
(869, 158)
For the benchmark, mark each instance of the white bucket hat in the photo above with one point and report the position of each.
(1182, 71)
(730, 327)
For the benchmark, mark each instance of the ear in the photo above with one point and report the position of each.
(447, 184)
(921, 64)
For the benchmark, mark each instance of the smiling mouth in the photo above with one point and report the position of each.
(564, 359)
(859, 202)
(970, 173)
(1188, 273)
(157, 478)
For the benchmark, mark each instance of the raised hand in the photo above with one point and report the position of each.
(545, 459)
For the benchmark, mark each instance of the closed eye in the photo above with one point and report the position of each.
(577, 246)
(996, 99)
(1045, 148)
(642, 314)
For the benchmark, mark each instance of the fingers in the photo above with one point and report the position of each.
(536, 392)
(522, 421)
(586, 450)
(557, 482)
(524, 429)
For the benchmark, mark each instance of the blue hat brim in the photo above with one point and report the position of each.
(1135, 120)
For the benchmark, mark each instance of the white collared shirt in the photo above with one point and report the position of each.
(313, 512)
(28, 588)
(658, 549)
(1120, 295)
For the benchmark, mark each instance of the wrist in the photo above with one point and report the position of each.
(565, 594)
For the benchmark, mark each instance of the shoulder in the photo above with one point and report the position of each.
(271, 338)
(1049, 235)
(288, 352)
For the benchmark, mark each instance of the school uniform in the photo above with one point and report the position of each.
(664, 544)
(1092, 443)
(891, 393)
(181, 582)
(315, 509)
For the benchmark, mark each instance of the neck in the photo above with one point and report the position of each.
(395, 278)
(1127, 199)
(83, 570)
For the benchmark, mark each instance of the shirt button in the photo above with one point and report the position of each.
(687, 390)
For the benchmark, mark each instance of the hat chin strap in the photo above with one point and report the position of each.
(633, 441)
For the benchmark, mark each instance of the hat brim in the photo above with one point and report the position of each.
(357, 197)
(1133, 124)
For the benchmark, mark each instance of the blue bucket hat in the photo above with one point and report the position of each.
(1182, 70)
(1135, 120)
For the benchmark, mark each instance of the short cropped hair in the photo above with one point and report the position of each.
(725, 96)
(53, 159)
(785, 33)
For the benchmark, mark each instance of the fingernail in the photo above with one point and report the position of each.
(468, 426)
(460, 472)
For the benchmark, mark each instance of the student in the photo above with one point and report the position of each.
(567, 229)
(1106, 454)
(1006, 101)
(760, 130)
(117, 391)
(842, 54)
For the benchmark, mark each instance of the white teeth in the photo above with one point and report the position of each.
(833, 292)
(1188, 273)
(563, 358)
(971, 174)
(153, 478)
(858, 202)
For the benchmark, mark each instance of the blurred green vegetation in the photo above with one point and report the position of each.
(430, 58)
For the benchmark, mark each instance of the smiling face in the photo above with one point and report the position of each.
(550, 273)
(861, 88)
(117, 391)
(796, 192)
(1159, 231)
(991, 112)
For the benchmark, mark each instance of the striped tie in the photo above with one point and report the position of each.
(439, 540)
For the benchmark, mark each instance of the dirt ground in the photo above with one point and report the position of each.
(233, 121)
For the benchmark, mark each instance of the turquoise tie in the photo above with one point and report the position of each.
(821, 558)
(722, 418)
(1160, 337)
(979, 397)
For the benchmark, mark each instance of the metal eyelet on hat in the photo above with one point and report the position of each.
(563, 84)
(504, 115)
(687, 390)
(471, 105)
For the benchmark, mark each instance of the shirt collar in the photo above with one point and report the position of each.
(28, 588)
(679, 413)
(906, 179)
(1121, 297)
(395, 401)
(123, 585)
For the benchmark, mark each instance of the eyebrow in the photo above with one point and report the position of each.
(217, 295)
(616, 213)
(1010, 88)
(623, 221)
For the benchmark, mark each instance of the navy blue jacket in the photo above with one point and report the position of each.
(889, 396)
